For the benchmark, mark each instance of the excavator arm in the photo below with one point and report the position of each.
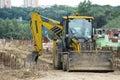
(37, 23)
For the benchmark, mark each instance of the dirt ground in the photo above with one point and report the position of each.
(44, 70)
(61, 75)
(56, 75)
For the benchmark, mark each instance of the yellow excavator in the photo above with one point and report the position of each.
(74, 45)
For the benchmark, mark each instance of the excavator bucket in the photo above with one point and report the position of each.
(90, 61)
(32, 58)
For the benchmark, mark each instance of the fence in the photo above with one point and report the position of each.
(116, 59)
(12, 60)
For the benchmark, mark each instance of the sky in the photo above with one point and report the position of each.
(69, 2)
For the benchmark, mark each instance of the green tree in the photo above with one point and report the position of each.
(114, 23)
(84, 8)
(13, 28)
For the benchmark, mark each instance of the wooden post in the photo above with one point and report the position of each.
(10, 60)
(15, 63)
(22, 41)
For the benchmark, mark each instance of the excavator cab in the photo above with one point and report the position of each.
(79, 29)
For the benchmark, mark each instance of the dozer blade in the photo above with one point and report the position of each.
(90, 61)
(32, 58)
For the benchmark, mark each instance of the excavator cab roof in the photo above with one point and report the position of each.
(78, 17)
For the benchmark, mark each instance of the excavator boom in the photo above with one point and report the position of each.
(37, 23)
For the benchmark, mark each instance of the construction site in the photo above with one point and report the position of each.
(50, 60)
(59, 42)
(14, 66)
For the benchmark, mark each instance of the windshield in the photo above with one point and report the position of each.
(80, 28)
